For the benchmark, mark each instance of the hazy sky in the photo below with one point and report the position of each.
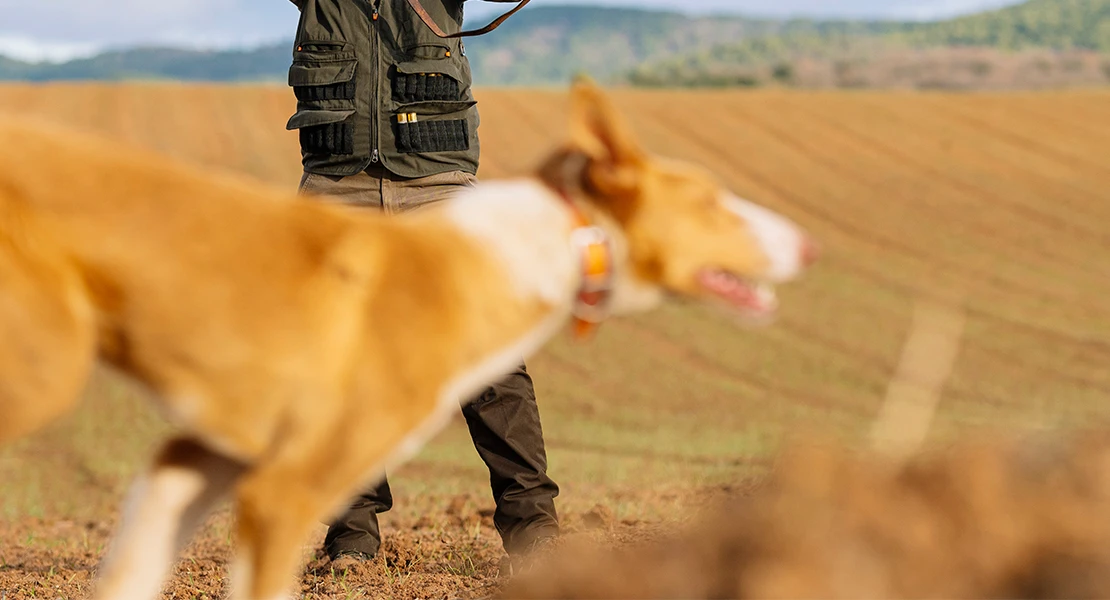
(58, 29)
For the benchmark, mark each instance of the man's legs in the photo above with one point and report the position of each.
(504, 420)
(363, 189)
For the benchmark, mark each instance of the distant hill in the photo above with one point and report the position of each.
(267, 63)
(1056, 24)
(1049, 41)
(1038, 43)
(550, 44)
(13, 69)
(540, 45)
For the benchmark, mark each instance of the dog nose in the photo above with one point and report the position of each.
(810, 251)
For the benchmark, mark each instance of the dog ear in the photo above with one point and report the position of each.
(598, 129)
(600, 132)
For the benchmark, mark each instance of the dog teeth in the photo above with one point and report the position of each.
(766, 295)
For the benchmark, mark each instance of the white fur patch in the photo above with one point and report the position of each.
(240, 572)
(144, 549)
(527, 227)
(781, 240)
(474, 380)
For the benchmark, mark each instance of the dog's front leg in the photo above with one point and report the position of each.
(282, 500)
(278, 505)
(165, 506)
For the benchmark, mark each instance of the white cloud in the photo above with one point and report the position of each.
(85, 21)
(941, 9)
(37, 51)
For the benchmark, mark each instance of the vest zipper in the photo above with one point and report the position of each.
(375, 43)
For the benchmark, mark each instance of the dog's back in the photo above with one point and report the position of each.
(109, 252)
(45, 321)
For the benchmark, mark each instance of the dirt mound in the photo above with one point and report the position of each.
(1005, 519)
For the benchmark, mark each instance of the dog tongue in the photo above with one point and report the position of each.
(738, 291)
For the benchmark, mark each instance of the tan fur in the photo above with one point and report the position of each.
(298, 344)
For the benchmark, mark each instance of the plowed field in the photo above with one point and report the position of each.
(1000, 200)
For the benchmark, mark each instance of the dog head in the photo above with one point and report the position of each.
(675, 229)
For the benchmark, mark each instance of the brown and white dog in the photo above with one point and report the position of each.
(302, 347)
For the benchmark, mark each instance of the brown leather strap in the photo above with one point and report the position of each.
(424, 16)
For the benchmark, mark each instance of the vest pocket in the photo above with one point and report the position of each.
(324, 131)
(420, 87)
(432, 127)
(433, 136)
(426, 81)
(323, 80)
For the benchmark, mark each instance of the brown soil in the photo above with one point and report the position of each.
(455, 555)
(1015, 519)
(434, 548)
(58, 559)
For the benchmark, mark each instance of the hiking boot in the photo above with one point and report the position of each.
(347, 561)
(523, 562)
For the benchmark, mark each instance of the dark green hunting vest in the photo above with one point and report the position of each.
(375, 85)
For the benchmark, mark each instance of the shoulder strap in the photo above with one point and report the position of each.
(424, 16)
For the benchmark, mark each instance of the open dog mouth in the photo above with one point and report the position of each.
(753, 299)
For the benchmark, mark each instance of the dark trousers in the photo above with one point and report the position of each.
(504, 420)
